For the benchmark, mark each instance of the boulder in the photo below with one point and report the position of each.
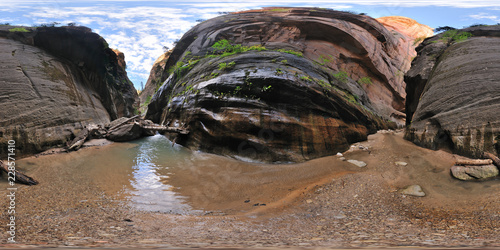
(453, 92)
(467, 173)
(282, 86)
(126, 132)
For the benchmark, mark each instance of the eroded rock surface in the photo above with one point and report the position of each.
(53, 82)
(155, 78)
(303, 83)
(453, 92)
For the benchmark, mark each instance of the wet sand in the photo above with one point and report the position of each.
(323, 203)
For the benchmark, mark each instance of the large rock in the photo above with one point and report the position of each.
(467, 173)
(453, 93)
(274, 104)
(127, 132)
(54, 82)
(155, 79)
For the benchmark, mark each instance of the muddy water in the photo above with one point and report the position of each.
(151, 174)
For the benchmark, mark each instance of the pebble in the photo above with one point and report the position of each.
(401, 163)
(342, 158)
(339, 154)
(360, 164)
(414, 190)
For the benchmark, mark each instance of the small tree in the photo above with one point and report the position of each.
(444, 28)
(142, 86)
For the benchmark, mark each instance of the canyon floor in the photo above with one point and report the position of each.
(333, 204)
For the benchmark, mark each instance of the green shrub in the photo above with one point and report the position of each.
(224, 66)
(341, 76)
(19, 30)
(455, 36)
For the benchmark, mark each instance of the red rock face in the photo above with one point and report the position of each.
(315, 81)
(155, 78)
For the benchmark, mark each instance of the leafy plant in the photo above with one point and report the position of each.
(284, 61)
(224, 66)
(266, 88)
(341, 76)
(279, 71)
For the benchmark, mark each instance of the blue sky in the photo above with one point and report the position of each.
(140, 29)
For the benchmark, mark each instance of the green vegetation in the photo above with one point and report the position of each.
(454, 36)
(224, 66)
(365, 80)
(181, 67)
(341, 76)
(305, 78)
(279, 10)
(284, 61)
(323, 60)
(225, 48)
(279, 71)
(293, 52)
(19, 30)
(266, 88)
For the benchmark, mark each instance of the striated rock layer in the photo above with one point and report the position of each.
(56, 80)
(282, 84)
(453, 92)
(155, 78)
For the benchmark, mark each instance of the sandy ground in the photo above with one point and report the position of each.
(334, 205)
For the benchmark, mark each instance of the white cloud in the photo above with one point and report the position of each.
(482, 16)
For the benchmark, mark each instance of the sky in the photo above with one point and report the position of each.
(141, 29)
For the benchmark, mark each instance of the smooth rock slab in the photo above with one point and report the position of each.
(467, 173)
(360, 164)
(415, 190)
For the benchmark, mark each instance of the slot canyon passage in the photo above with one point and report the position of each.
(293, 99)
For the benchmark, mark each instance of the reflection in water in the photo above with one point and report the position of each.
(148, 191)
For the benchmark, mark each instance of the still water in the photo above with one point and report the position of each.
(152, 174)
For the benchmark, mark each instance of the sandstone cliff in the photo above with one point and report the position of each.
(155, 78)
(454, 92)
(282, 84)
(54, 81)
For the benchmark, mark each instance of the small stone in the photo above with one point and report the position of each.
(309, 201)
(360, 164)
(401, 163)
(339, 216)
(342, 158)
(415, 190)
(339, 154)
